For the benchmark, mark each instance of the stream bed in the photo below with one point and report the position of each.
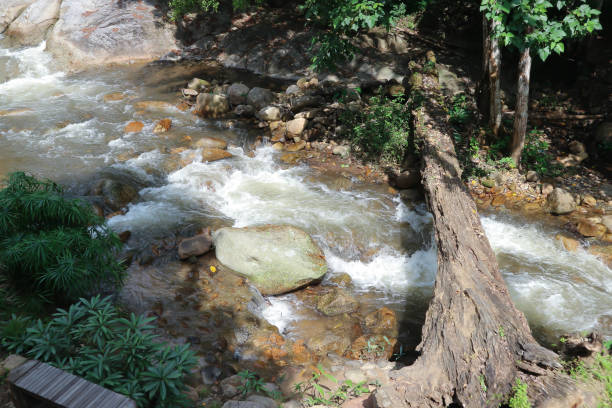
(58, 125)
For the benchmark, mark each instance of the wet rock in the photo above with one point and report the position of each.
(162, 126)
(14, 112)
(560, 202)
(290, 158)
(343, 279)
(532, 176)
(212, 154)
(32, 24)
(382, 321)
(195, 246)
(154, 106)
(259, 97)
(114, 96)
(371, 347)
(125, 236)
(101, 32)
(569, 244)
(297, 126)
(607, 221)
(278, 146)
(269, 113)
(294, 147)
(276, 259)
(210, 143)
(212, 105)
(590, 229)
(322, 343)
(244, 110)
(116, 194)
(408, 179)
(133, 127)
(546, 189)
(342, 151)
(336, 302)
(589, 201)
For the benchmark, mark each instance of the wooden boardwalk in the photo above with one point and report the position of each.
(36, 384)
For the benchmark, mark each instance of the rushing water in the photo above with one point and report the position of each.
(65, 131)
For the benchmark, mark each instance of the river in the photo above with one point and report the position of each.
(57, 125)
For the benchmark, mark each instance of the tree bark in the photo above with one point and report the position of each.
(522, 106)
(474, 340)
(490, 88)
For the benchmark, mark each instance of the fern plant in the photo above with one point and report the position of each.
(53, 248)
(91, 339)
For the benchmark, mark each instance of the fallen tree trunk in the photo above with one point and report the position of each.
(475, 343)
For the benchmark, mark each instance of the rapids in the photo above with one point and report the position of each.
(57, 125)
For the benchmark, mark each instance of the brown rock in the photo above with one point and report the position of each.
(212, 105)
(212, 154)
(162, 126)
(336, 302)
(382, 321)
(134, 127)
(589, 201)
(278, 146)
(498, 200)
(290, 158)
(294, 147)
(125, 236)
(570, 244)
(590, 229)
(297, 126)
(408, 179)
(112, 97)
(210, 143)
(153, 106)
(195, 246)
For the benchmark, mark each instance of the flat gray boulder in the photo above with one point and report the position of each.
(95, 32)
(32, 25)
(10, 10)
(276, 259)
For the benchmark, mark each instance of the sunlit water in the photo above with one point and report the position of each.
(65, 131)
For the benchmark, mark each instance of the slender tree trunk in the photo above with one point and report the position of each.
(490, 89)
(475, 342)
(522, 106)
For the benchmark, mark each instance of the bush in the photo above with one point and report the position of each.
(519, 399)
(51, 248)
(535, 155)
(382, 130)
(90, 339)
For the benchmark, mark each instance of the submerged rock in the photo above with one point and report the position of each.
(212, 154)
(276, 259)
(210, 142)
(211, 105)
(116, 194)
(560, 202)
(336, 302)
(195, 246)
(10, 10)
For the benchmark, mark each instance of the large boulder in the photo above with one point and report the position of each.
(212, 105)
(115, 193)
(336, 302)
(259, 97)
(97, 32)
(10, 10)
(32, 24)
(560, 202)
(276, 259)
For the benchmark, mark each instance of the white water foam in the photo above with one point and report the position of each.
(281, 311)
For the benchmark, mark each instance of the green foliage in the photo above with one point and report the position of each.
(519, 399)
(459, 112)
(536, 156)
(92, 340)
(381, 131)
(52, 248)
(181, 7)
(541, 24)
(315, 394)
(252, 383)
(341, 20)
(599, 370)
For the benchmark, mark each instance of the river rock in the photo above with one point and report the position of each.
(154, 106)
(212, 105)
(195, 246)
(295, 147)
(589, 201)
(99, 32)
(297, 126)
(197, 84)
(237, 94)
(560, 202)
(116, 194)
(588, 228)
(32, 24)
(212, 154)
(532, 176)
(607, 221)
(162, 125)
(244, 110)
(382, 321)
(569, 244)
(342, 151)
(323, 343)
(408, 179)
(10, 10)
(292, 89)
(259, 97)
(299, 103)
(210, 143)
(276, 259)
(336, 302)
(269, 113)
(133, 127)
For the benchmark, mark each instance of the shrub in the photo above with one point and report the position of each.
(382, 130)
(519, 399)
(52, 248)
(92, 340)
(535, 155)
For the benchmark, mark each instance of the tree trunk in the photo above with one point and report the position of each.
(490, 89)
(474, 342)
(522, 106)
